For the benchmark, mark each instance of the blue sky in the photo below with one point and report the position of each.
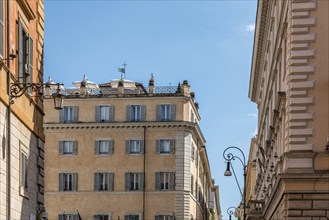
(209, 43)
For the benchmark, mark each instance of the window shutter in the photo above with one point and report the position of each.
(128, 113)
(126, 217)
(158, 217)
(173, 112)
(143, 112)
(97, 147)
(20, 52)
(142, 181)
(75, 147)
(61, 182)
(111, 143)
(111, 181)
(142, 149)
(158, 146)
(127, 146)
(75, 182)
(171, 217)
(158, 113)
(30, 59)
(61, 115)
(157, 181)
(61, 217)
(76, 113)
(96, 181)
(98, 113)
(61, 147)
(172, 146)
(111, 113)
(172, 181)
(127, 181)
(75, 217)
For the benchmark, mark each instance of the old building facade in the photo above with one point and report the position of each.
(289, 83)
(21, 125)
(122, 151)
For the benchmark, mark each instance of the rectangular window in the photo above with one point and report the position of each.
(134, 181)
(104, 147)
(101, 217)
(165, 146)
(68, 217)
(68, 147)
(68, 181)
(164, 217)
(192, 151)
(136, 113)
(131, 217)
(25, 55)
(192, 184)
(69, 114)
(104, 181)
(166, 112)
(105, 113)
(24, 163)
(134, 146)
(165, 180)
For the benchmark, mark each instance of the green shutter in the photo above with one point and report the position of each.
(172, 146)
(157, 146)
(75, 182)
(75, 147)
(98, 113)
(143, 112)
(141, 181)
(97, 147)
(96, 181)
(158, 112)
(75, 113)
(111, 181)
(157, 181)
(30, 61)
(142, 148)
(20, 52)
(127, 146)
(111, 113)
(127, 181)
(128, 113)
(172, 181)
(61, 182)
(111, 148)
(173, 112)
(61, 147)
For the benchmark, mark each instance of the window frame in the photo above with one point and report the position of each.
(64, 182)
(133, 143)
(134, 181)
(165, 181)
(159, 146)
(108, 177)
(98, 146)
(166, 112)
(24, 164)
(63, 144)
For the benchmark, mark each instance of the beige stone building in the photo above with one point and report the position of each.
(21, 121)
(122, 151)
(289, 83)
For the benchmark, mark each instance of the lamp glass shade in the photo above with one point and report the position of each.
(228, 171)
(58, 100)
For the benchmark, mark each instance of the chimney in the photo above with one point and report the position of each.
(121, 89)
(186, 88)
(83, 88)
(151, 85)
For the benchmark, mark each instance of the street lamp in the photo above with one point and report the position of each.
(230, 212)
(229, 157)
(17, 89)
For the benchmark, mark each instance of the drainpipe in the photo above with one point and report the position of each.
(144, 172)
(8, 118)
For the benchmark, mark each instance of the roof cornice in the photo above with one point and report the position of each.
(259, 39)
